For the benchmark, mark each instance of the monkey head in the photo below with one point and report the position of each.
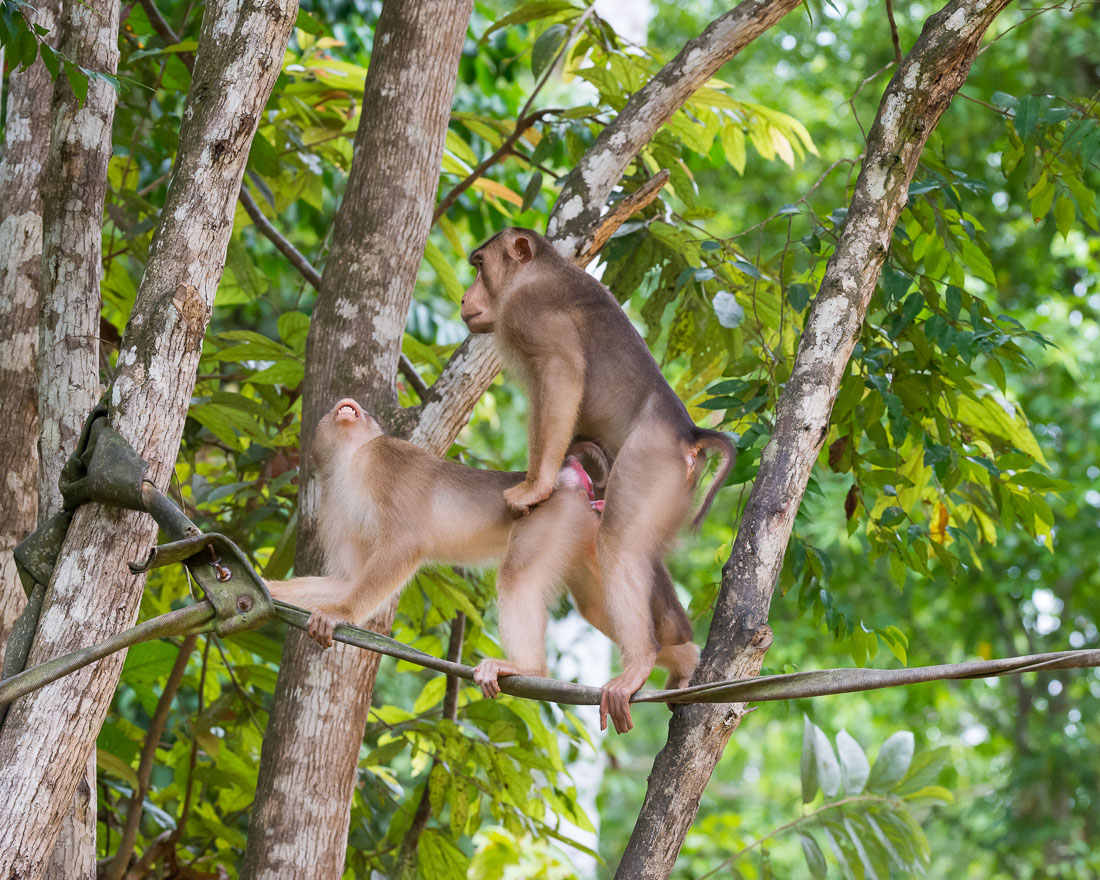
(498, 263)
(343, 430)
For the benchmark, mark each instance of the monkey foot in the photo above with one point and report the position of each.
(489, 670)
(615, 699)
(321, 627)
(523, 497)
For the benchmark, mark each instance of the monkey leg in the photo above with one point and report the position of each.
(542, 549)
(335, 600)
(648, 498)
(678, 653)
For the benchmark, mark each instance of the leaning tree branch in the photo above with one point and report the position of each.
(912, 105)
(93, 594)
(577, 214)
(589, 184)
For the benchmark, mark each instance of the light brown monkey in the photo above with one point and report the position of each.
(590, 374)
(388, 506)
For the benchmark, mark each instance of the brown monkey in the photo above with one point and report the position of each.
(589, 374)
(389, 506)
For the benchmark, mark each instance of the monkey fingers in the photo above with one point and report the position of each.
(526, 495)
(321, 628)
(615, 701)
(489, 670)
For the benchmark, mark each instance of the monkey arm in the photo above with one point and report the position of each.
(555, 365)
(556, 392)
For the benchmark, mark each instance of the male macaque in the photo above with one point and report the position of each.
(589, 374)
(388, 507)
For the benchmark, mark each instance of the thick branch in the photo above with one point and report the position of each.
(912, 105)
(588, 186)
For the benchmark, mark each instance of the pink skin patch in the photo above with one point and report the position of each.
(573, 463)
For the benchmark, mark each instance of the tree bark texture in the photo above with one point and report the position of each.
(49, 734)
(310, 753)
(583, 198)
(915, 99)
(22, 166)
(73, 191)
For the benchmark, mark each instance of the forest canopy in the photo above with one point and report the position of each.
(950, 504)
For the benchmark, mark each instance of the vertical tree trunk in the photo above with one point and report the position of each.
(73, 192)
(912, 105)
(49, 733)
(22, 166)
(354, 343)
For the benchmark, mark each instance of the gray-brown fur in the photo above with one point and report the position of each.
(589, 374)
(387, 507)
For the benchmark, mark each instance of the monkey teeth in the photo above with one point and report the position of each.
(346, 411)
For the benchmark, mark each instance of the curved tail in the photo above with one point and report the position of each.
(706, 439)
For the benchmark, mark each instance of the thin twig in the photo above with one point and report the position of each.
(148, 758)
(893, 31)
(165, 32)
(618, 215)
(522, 124)
(405, 866)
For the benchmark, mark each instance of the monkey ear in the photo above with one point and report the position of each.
(523, 249)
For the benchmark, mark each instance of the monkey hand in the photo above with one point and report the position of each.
(321, 627)
(526, 495)
(486, 674)
(615, 699)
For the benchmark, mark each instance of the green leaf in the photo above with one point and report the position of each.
(444, 271)
(815, 859)
(149, 662)
(924, 770)
(531, 192)
(287, 372)
(732, 137)
(798, 295)
(293, 330)
(1027, 115)
(932, 793)
(808, 764)
(78, 82)
(892, 762)
(531, 12)
(431, 695)
(546, 47)
(728, 310)
(1064, 215)
(891, 516)
(854, 766)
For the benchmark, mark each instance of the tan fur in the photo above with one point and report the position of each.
(590, 375)
(388, 507)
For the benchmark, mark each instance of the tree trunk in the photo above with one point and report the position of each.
(73, 192)
(912, 105)
(49, 733)
(354, 343)
(26, 140)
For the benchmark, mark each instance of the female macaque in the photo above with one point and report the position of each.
(589, 374)
(388, 507)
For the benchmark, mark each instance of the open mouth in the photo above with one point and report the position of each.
(346, 411)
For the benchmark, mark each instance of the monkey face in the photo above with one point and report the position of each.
(497, 263)
(345, 427)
